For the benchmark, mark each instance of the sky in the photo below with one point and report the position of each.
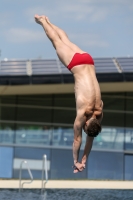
(103, 28)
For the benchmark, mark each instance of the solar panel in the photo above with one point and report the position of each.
(126, 64)
(17, 67)
(105, 65)
(44, 67)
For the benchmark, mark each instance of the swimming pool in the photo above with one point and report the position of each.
(66, 194)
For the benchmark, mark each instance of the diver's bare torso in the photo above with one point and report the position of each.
(87, 91)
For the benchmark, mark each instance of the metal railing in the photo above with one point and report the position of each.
(20, 175)
(44, 168)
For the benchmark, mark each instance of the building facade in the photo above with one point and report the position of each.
(36, 118)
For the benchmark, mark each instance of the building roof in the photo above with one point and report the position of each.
(46, 71)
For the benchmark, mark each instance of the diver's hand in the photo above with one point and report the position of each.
(78, 167)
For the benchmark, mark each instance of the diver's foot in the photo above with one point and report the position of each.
(40, 19)
(47, 19)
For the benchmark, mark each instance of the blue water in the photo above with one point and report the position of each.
(66, 194)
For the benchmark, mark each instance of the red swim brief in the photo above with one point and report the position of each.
(80, 59)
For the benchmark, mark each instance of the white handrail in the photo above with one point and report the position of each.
(20, 175)
(44, 168)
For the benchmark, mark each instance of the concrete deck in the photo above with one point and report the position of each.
(69, 184)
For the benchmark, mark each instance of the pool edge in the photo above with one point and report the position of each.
(69, 184)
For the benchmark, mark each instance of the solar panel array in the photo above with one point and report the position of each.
(53, 66)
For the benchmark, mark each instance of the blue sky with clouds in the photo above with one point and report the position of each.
(104, 28)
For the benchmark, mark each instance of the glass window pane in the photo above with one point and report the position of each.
(67, 112)
(34, 115)
(6, 162)
(8, 99)
(128, 167)
(129, 101)
(38, 135)
(40, 100)
(113, 119)
(62, 136)
(8, 113)
(113, 101)
(34, 108)
(129, 139)
(6, 133)
(64, 116)
(65, 100)
(110, 138)
(105, 165)
(129, 120)
(61, 165)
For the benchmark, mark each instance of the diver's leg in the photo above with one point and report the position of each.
(63, 36)
(50, 32)
(64, 52)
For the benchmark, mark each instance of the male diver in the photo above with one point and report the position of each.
(89, 106)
